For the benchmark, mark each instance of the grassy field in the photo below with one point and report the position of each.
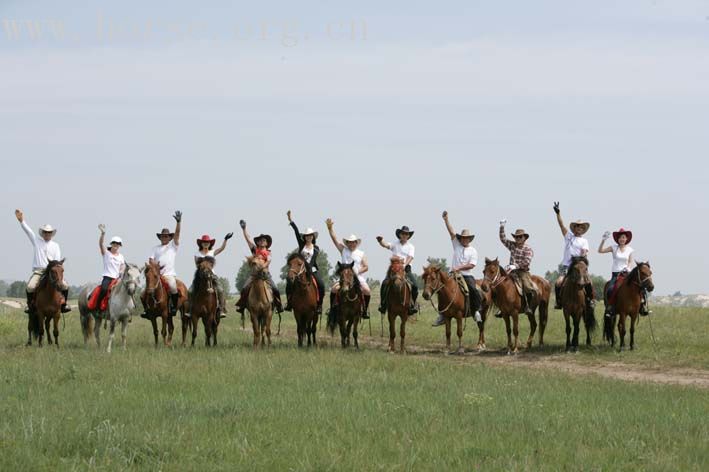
(323, 409)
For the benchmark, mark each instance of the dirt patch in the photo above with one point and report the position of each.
(11, 303)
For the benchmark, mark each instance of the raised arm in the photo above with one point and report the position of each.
(449, 227)
(298, 238)
(602, 249)
(101, 247)
(383, 243)
(178, 227)
(331, 229)
(247, 236)
(25, 227)
(503, 237)
(221, 248)
(562, 226)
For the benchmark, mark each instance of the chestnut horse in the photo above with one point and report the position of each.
(450, 297)
(47, 305)
(628, 300)
(508, 300)
(304, 298)
(398, 301)
(260, 301)
(573, 302)
(155, 299)
(204, 303)
(350, 307)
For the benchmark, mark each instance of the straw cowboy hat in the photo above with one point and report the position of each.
(352, 239)
(165, 232)
(622, 231)
(309, 231)
(584, 225)
(520, 232)
(264, 237)
(404, 229)
(465, 234)
(206, 239)
(47, 229)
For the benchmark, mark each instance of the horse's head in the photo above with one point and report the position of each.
(131, 278)
(152, 276)
(53, 274)
(432, 282)
(348, 278)
(396, 266)
(259, 267)
(297, 268)
(578, 271)
(645, 276)
(206, 264)
(493, 270)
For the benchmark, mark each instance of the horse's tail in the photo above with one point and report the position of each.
(34, 324)
(332, 320)
(589, 318)
(608, 322)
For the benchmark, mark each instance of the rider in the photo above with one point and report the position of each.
(308, 248)
(164, 254)
(623, 261)
(465, 258)
(575, 245)
(45, 250)
(205, 248)
(521, 255)
(113, 263)
(404, 251)
(350, 252)
(260, 246)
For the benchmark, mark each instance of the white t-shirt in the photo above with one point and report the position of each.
(621, 260)
(112, 264)
(356, 256)
(210, 253)
(402, 251)
(463, 256)
(165, 254)
(307, 253)
(43, 251)
(573, 247)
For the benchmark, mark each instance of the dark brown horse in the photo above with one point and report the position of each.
(398, 302)
(204, 302)
(628, 301)
(48, 304)
(304, 298)
(260, 301)
(451, 301)
(573, 302)
(350, 307)
(155, 299)
(508, 300)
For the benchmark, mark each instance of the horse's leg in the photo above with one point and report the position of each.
(184, 325)
(111, 334)
(532, 329)
(29, 329)
(392, 330)
(154, 322)
(195, 326)
(56, 330)
(257, 331)
(402, 332)
(170, 328)
(543, 318)
(207, 331)
(355, 333)
(633, 319)
(269, 317)
(515, 331)
(348, 329)
(448, 334)
(299, 328)
(46, 328)
(459, 332)
(508, 330)
(621, 330)
(163, 330)
(575, 338)
(343, 329)
(568, 330)
(97, 332)
(481, 335)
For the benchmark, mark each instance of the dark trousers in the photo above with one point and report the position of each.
(104, 287)
(409, 278)
(475, 301)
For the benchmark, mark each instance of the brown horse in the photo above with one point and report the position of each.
(260, 301)
(508, 300)
(451, 301)
(628, 300)
(204, 303)
(398, 301)
(47, 305)
(304, 298)
(155, 299)
(350, 307)
(573, 302)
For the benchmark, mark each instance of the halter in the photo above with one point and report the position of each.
(641, 281)
(299, 273)
(154, 289)
(494, 282)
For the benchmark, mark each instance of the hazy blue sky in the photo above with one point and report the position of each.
(122, 112)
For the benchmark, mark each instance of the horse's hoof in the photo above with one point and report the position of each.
(632, 348)
(461, 351)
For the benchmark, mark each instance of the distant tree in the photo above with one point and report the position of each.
(17, 289)
(224, 283)
(323, 265)
(374, 284)
(677, 294)
(242, 276)
(74, 290)
(3, 288)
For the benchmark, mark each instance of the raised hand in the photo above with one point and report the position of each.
(503, 222)
(19, 215)
(289, 216)
(606, 235)
(556, 208)
(242, 223)
(329, 223)
(380, 238)
(445, 215)
(228, 236)
(102, 228)
(178, 216)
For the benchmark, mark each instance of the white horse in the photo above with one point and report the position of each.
(120, 306)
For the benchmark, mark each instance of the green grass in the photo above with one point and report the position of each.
(234, 409)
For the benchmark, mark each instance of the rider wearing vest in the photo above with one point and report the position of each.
(350, 254)
(575, 245)
(113, 263)
(205, 248)
(308, 248)
(521, 255)
(623, 262)
(465, 258)
(45, 250)
(260, 246)
(165, 254)
(404, 251)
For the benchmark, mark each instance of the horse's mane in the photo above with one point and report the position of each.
(574, 274)
(45, 278)
(636, 269)
(198, 280)
(297, 255)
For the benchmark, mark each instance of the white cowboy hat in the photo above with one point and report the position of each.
(117, 240)
(48, 229)
(584, 225)
(465, 234)
(352, 239)
(309, 231)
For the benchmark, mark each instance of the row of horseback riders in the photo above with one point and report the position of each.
(464, 261)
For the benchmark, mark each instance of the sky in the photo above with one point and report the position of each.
(376, 114)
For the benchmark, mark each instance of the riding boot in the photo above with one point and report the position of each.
(557, 301)
(413, 309)
(318, 309)
(30, 303)
(528, 305)
(365, 313)
(65, 308)
(172, 306)
(243, 298)
(383, 297)
(289, 289)
(590, 299)
(222, 304)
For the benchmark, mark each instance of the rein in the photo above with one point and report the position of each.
(440, 287)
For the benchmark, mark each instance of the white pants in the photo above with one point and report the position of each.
(34, 281)
(171, 283)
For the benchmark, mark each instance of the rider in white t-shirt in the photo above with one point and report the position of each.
(113, 263)
(165, 255)
(575, 245)
(623, 262)
(205, 248)
(350, 254)
(403, 250)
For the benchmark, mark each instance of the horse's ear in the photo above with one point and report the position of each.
(62, 261)
(487, 261)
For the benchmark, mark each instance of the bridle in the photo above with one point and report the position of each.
(298, 273)
(497, 280)
(435, 291)
(349, 289)
(642, 281)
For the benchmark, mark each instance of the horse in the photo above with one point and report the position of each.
(508, 300)
(628, 299)
(260, 301)
(204, 303)
(398, 301)
(48, 303)
(573, 302)
(350, 307)
(450, 296)
(120, 306)
(304, 298)
(155, 299)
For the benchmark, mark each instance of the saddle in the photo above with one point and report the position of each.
(614, 290)
(93, 301)
(518, 283)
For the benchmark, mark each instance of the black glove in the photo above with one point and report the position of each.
(228, 236)
(556, 208)
(242, 223)
(177, 216)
